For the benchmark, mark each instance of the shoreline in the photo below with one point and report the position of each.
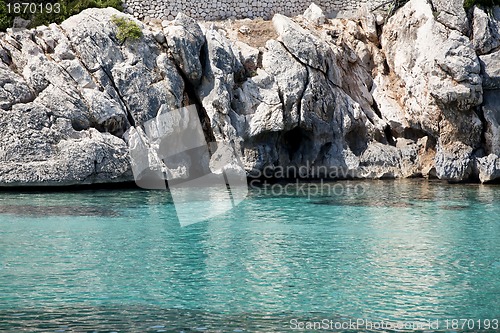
(261, 182)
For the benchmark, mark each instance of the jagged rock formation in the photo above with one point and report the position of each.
(411, 98)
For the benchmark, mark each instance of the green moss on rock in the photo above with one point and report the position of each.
(127, 28)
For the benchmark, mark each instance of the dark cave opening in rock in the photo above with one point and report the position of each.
(413, 134)
(388, 135)
(80, 123)
(293, 140)
(356, 142)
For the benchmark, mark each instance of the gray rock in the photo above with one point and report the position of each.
(490, 70)
(451, 14)
(76, 103)
(438, 86)
(491, 112)
(79, 88)
(258, 100)
(485, 30)
(160, 37)
(488, 168)
(369, 23)
(291, 77)
(305, 46)
(39, 150)
(13, 88)
(216, 90)
(315, 15)
(454, 162)
(185, 40)
(248, 56)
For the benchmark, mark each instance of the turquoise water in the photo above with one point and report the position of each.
(118, 260)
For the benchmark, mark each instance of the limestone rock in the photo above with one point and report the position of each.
(437, 86)
(454, 162)
(137, 75)
(76, 104)
(315, 15)
(369, 23)
(185, 40)
(13, 88)
(491, 112)
(258, 101)
(291, 77)
(488, 168)
(40, 150)
(306, 47)
(485, 30)
(71, 92)
(248, 56)
(490, 70)
(451, 14)
(220, 69)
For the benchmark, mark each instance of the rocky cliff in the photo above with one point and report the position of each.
(416, 96)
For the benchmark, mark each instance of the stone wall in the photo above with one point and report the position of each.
(221, 9)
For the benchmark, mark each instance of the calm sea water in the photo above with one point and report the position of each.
(118, 260)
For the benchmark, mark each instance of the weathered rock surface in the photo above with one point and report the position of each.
(185, 39)
(491, 112)
(315, 15)
(451, 14)
(322, 97)
(488, 168)
(435, 87)
(486, 30)
(490, 70)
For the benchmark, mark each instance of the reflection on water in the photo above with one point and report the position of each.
(139, 319)
(399, 250)
(28, 210)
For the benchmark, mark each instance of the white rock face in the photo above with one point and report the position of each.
(490, 70)
(315, 15)
(437, 84)
(491, 112)
(486, 30)
(488, 168)
(74, 99)
(185, 39)
(451, 14)
(74, 92)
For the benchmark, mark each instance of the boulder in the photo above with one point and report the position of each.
(490, 70)
(185, 40)
(488, 168)
(248, 56)
(451, 14)
(38, 149)
(491, 112)
(315, 15)
(485, 29)
(13, 88)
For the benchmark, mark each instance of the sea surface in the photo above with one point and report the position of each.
(407, 252)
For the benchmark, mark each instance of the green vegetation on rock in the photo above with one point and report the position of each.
(5, 19)
(67, 8)
(127, 28)
(487, 3)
